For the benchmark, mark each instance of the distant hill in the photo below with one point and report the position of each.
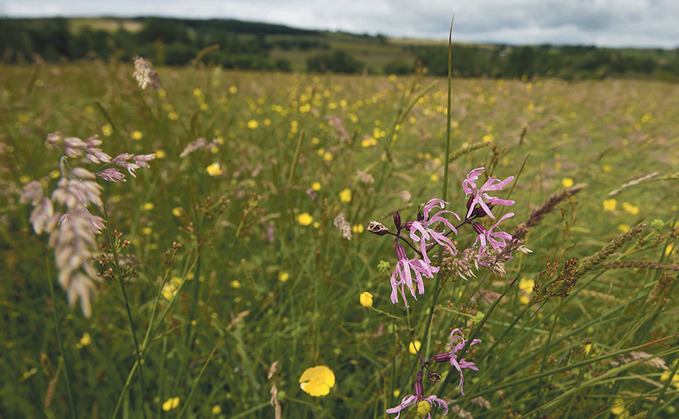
(263, 46)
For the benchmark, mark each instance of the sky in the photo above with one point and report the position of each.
(604, 23)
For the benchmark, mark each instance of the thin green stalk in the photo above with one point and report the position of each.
(71, 401)
(444, 194)
(545, 353)
(118, 273)
(136, 343)
(295, 159)
(200, 374)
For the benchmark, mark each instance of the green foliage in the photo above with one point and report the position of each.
(252, 287)
(337, 62)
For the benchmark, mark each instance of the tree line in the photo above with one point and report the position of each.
(249, 45)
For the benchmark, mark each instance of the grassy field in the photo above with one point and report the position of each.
(221, 268)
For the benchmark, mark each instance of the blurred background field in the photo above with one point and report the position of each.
(263, 276)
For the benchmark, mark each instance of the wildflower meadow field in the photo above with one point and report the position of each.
(195, 242)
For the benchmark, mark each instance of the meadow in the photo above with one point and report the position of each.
(223, 272)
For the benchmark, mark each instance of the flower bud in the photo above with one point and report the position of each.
(444, 357)
(418, 387)
(377, 228)
(479, 228)
(397, 220)
(480, 212)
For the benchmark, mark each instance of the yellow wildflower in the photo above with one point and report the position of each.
(414, 347)
(610, 204)
(171, 403)
(137, 135)
(366, 299)
(567, 182)
(618, 407)
(160, 154)
(214, 170)
(107, 130)
(177, 211)
(369, 142)
(317, 381)
(345, 195)
(252, 124)
(632, 209)
(305, 219)
(86, 340)
(283, 276)
(147, 206)
(216, 409)
(358, 228)
(316, 186)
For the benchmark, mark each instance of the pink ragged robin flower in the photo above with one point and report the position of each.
(418, 399)
(423, 224)
(493, 237)
(457, 342)
(479, 195)
(403, 277)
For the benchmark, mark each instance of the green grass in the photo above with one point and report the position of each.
(214, 342)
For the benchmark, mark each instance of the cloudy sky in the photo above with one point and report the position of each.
(616, 23)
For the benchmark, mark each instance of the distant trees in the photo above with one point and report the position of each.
(248, 45)
(338, 61)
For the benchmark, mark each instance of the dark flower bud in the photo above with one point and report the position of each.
(480, 212)
(479, 228)
(397, 220)
(377, 228)
(469, 202)
(408, 225)
(444, 357)
(418, 387)
(420, 216)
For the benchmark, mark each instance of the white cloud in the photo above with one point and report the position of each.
(653, 23)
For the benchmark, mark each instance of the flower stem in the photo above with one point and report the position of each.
(444, 194)
(71, 401)
(118, 273)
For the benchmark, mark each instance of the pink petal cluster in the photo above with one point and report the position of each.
(480, 196)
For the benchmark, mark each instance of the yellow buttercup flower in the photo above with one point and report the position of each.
(618, 407)
(317, 381)
(305, 219)
(610, 204)
(316, 186)
(567, 182)
(171, 403)
(86, 340)
(137, 135)
(283, 276)
(214, 169)
(632, 209)
(345, 195)
(252, 124)
(366, 299)
(414, 347)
